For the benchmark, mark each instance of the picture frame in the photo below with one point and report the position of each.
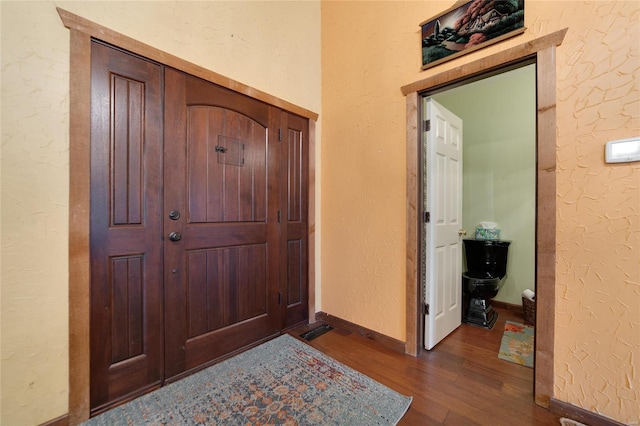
(467, 26)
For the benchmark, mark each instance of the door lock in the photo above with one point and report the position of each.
(175, 236)
(174, 215)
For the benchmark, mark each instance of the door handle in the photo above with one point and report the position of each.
(175, 236)
(462, 232)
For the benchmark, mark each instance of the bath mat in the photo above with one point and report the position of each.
(517, 344)
(283, 381)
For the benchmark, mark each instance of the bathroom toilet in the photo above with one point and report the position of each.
(486, 267)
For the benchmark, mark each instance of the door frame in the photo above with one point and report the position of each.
(543, 52)
(82, 31)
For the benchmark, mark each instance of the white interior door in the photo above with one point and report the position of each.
(442, 245)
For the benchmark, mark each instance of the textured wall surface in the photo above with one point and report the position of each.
(366, 60)
(363, 157)
(271, 46)
(597, 362)
(35, 193)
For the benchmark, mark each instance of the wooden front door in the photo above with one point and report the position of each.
(221, 173)
(198, 224)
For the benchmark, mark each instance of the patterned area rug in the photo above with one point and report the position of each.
(517, 344)
(283, 381)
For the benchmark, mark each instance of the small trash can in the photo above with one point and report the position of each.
(529, 309)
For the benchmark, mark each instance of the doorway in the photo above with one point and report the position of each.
(82, 33)
(543, 51)
(498, 174)
(198, 224)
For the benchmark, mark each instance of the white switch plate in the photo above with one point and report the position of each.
(622, 151)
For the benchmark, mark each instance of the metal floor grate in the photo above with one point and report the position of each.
(318, 331)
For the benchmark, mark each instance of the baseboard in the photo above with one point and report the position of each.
(386, 341)
(58, 421)
(564, 409)
(508, 306)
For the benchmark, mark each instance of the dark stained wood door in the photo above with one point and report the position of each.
(294, 199)
(198, 224)
(221, 241)
(126, 311)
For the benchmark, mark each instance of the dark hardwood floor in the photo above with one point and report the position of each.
(459, 382)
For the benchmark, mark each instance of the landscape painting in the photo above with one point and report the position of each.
(468, 26)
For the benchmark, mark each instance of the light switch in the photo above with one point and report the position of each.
(622, 151)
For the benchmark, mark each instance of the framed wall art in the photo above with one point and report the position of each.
(468, 26)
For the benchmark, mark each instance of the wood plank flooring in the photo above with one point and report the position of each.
(460, 382)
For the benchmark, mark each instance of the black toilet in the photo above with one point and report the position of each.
(486, 267)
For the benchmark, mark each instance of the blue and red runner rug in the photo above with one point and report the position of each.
(283, 381)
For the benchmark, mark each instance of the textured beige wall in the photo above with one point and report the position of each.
(597, 364)
(34, 345)
(370, 50)
(271, 46)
